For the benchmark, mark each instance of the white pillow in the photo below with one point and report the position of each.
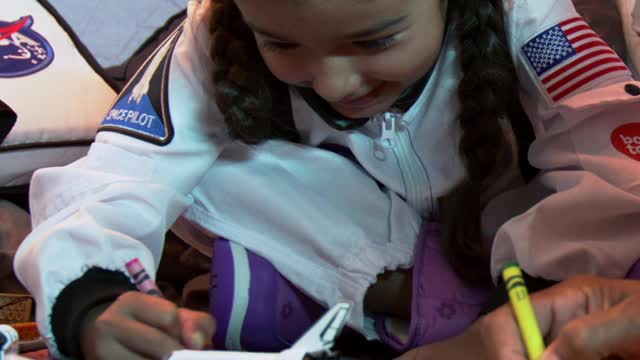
(630, 13)
(636, 16)
(53, 85)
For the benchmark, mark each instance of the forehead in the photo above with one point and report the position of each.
(301, 6)
(321, 17)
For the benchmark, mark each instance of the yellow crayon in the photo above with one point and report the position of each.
(523, 310)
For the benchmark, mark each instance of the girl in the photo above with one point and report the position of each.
(361, 148)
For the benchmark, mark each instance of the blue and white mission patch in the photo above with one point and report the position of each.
(140, 117)
(142, 109)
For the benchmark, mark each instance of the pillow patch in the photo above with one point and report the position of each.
(23, 51)
(626, 139)
(141, 110)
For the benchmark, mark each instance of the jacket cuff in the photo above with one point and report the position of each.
(97, 286)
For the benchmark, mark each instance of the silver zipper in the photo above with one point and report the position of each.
(396, 136)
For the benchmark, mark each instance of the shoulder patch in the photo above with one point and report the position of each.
(570, 57)
(142, 109)
(626, 139)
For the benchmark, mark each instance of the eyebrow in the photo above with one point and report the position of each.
(371, 31)
(377, 29)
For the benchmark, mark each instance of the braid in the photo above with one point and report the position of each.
(255, 105)
(488, 93)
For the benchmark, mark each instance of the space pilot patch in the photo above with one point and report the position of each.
(626, 139)
(23, 51)
(570, 57)
(142, 109)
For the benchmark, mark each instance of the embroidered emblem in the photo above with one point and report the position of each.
(142, 109)
(446, 310)
(286, 311)
(569, 57)
(626, 139)
(22, 50)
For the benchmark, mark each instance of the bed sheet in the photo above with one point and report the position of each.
(112, 30)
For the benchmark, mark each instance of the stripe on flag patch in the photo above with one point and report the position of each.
(570, 56)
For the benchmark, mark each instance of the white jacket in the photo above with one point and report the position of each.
(328, 224)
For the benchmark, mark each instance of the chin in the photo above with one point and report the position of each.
(367, 112)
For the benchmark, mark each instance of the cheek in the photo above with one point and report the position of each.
(393, 68)
(404, 64)
(283, 68)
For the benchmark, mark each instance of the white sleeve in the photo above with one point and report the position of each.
(118, 201)
(587, 146)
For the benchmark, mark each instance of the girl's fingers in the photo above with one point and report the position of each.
(111, 350)
(145, 340)
(196, 327)
(145, 325)
(151, 310)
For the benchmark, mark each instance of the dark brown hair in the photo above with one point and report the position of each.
(254, 103)
(488, 94)
(256, 107)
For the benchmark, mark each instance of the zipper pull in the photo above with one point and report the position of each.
(389, 123)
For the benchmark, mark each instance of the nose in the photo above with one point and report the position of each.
(335, 78)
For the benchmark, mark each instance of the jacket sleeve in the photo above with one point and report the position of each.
(585, 110)
(117, 203)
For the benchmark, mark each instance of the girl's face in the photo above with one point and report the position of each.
(359, 55)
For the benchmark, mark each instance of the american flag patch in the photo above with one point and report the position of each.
(571, 56)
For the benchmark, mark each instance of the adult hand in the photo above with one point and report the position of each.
(585, 318)
(141, 326)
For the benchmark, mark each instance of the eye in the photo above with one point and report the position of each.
(377, 44)
(277, 45)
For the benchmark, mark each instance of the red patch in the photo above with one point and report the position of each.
(626, 139)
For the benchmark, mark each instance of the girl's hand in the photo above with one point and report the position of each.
(141, 326)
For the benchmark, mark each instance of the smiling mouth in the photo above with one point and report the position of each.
(363, 100)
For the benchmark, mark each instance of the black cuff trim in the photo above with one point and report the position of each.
(501, 297)
(97, 286)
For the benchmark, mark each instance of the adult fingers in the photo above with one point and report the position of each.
(553, 307)
(501, 335)
(577, 297)
(615, 331)
(468, 345)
